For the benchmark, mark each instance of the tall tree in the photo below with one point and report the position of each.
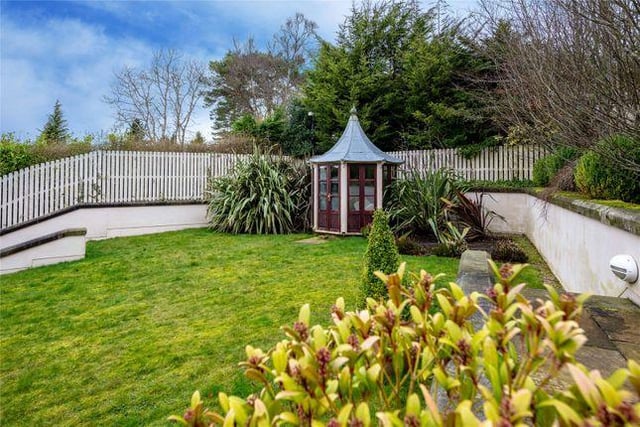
(256, 82)
(198, 139)
(296, 43)
(136, 131)
(245, 81)
(365, 68)
(410, 82)
(298, 139)
(55, 129)
(162, 97)
(569, 71)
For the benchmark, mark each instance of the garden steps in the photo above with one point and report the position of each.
(612, 325)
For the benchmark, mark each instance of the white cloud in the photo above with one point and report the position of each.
(43, 59)
(66, 60)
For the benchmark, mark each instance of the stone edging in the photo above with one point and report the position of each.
(624, 219)
(70, 232)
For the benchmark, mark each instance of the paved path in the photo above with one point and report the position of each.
(612, 325)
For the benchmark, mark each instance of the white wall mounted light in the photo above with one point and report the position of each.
(624, 267)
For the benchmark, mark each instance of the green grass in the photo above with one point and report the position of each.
(126, 335)
(610, 203)
(538, 272)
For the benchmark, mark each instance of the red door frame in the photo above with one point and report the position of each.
(358, 218)
(329, 217)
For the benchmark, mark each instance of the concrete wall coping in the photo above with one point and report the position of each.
(624, 219)
(97, 205)
(69, 232)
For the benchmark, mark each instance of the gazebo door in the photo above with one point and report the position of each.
(362, 196)
(329, 197)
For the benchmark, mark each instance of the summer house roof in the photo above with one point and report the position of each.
(354, 146)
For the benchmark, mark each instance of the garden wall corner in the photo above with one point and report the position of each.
(576, 245)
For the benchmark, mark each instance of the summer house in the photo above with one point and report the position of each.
(349, 181)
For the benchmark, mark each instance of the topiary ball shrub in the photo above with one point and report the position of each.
(539, 174)
(381, 255)
(590, 176)
(507, 250)
(602, 177)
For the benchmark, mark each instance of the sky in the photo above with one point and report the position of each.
(70, 50)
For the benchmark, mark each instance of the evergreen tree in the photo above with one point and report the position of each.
(55, 130)
(198, 139)
(366, 69)
(136, 132)
(297, 139)
(411, 74)
(381, 255)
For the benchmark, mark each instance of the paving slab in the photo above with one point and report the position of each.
(619, 318)
(313, 241)
(612, 325)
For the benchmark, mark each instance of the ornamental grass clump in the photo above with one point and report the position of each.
(381, 255)
(465, 364)
(263, 195)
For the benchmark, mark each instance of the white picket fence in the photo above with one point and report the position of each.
(125, 177)
(502, 163)
(107, 178)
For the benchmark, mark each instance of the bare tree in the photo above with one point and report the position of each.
(256, 82)
(569, 70)
(295, 43)
(162, 97)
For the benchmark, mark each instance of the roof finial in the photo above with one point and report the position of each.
(353, 111)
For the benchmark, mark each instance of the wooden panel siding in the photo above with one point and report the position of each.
(112, 177)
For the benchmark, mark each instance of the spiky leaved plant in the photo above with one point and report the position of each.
(263, 195)
(416, 201)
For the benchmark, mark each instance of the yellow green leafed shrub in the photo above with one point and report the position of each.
(461, 365)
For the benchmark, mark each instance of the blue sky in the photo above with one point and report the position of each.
(69, 50)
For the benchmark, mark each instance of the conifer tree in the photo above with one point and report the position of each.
(136, 131)
(381, 255)
(198, 139)
(55, 130)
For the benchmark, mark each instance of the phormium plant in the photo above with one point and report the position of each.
(472, 214)
(415, 201)
(263, 195)
(462, 365)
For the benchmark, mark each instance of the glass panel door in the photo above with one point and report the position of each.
(362, 195)
(329, 197)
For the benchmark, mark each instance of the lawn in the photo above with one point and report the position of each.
(125, 336)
